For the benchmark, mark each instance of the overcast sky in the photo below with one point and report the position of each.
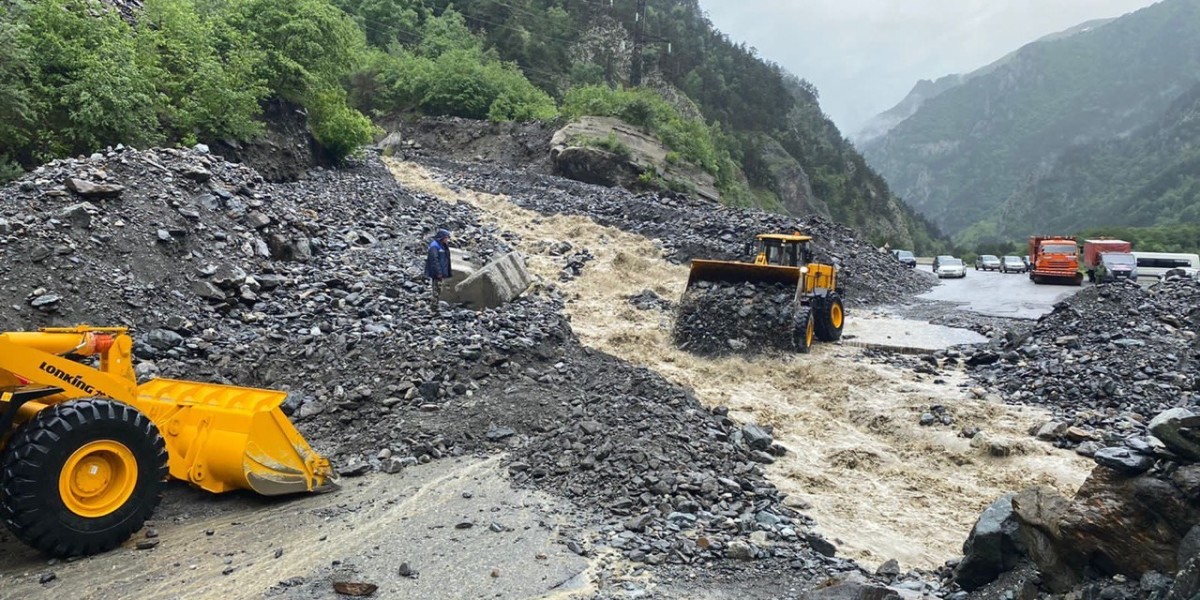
(865, 55)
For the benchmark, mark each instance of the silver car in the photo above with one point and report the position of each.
(950, 267)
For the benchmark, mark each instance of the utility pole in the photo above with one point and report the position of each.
(639, 32)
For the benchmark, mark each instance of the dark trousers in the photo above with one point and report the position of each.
(436, 294)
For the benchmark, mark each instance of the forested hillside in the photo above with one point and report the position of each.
(1150, 178)
(76, 76)
(961, 156)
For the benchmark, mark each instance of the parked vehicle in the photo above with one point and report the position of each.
(1012, 264)
(937, 260)
(906, 258)
(948, 266)
(1115, 266)
(987, 262)
(1094, 251)
(1154, 264)
(1054, 258)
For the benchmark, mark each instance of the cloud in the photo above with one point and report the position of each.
(865, 55)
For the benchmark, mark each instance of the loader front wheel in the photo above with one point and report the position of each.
(803, 329)
(82, 476)
(830, 319)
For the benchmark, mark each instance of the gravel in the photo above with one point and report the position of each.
(754, 318)
(1104, 361)
(316, 287)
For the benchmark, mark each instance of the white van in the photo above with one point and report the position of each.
(1152, 264)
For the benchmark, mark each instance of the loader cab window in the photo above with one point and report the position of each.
(784, 253)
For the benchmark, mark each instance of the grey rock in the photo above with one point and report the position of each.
(1124, 460)
(164, 339)
(756, 438)
(1175, 427)
(89, 189)
(993, 547)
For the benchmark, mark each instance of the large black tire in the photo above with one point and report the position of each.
(803, 329)
(90, 435)
(830, 317)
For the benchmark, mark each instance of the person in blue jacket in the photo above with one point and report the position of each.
(437, 266)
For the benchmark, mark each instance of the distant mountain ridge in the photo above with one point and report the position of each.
(925, 89)
(961, 156)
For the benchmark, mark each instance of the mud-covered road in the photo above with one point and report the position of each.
(242, 546)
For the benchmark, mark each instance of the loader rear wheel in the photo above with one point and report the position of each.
(803, 329)
(830, 319)
(81, 477)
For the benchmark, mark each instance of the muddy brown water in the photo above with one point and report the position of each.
(878, 484)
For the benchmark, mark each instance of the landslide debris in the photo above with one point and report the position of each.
(1104, 361)
(316, 287)
(716, 318)
(1131, 530)
(689, 228)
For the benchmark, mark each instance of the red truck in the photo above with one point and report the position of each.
(1094, 262)
(1054, 258)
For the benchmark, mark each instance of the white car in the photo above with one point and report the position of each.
(950, 267)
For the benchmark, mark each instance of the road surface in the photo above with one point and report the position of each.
(995, 294)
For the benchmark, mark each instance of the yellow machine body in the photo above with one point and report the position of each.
(778, 258)
(218, 437)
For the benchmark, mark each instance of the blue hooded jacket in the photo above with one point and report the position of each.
(437, 263)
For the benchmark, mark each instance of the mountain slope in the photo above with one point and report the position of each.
(964, 152)
(757, 107)
(1150, 178)
(925, 89)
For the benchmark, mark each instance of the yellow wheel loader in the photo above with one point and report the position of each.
(786, 259)
(85, 451)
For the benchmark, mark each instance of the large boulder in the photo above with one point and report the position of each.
(499, 282)
(993, 547)
(610, 152)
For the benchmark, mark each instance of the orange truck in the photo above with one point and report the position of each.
(1054, 258)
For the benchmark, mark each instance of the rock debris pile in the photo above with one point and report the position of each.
(1104, 361)
(316, 287)
(691, 228)
(753, 318)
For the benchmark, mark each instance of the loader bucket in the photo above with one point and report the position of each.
(222, 437)
(739, 272)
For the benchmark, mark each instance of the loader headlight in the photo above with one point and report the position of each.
(803, 269)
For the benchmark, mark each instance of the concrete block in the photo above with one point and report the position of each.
(501, 281)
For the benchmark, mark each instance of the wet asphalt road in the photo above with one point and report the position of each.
(1010, 295)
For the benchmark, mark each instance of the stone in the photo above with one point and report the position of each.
(89, 189)
(499, 282)
(496, 434)
(851, 590)
(208, 291)
(756, 438)
(1124, 460)
(993, 547)
(1175, 428)
(820, 545)
(739, 550)
(357, 589)
(164, 339)
(890, 568)
(79, 215)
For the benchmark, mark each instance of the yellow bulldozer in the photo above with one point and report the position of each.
(85, 451)
(786, 259)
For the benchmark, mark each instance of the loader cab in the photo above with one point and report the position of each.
(782, 249)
